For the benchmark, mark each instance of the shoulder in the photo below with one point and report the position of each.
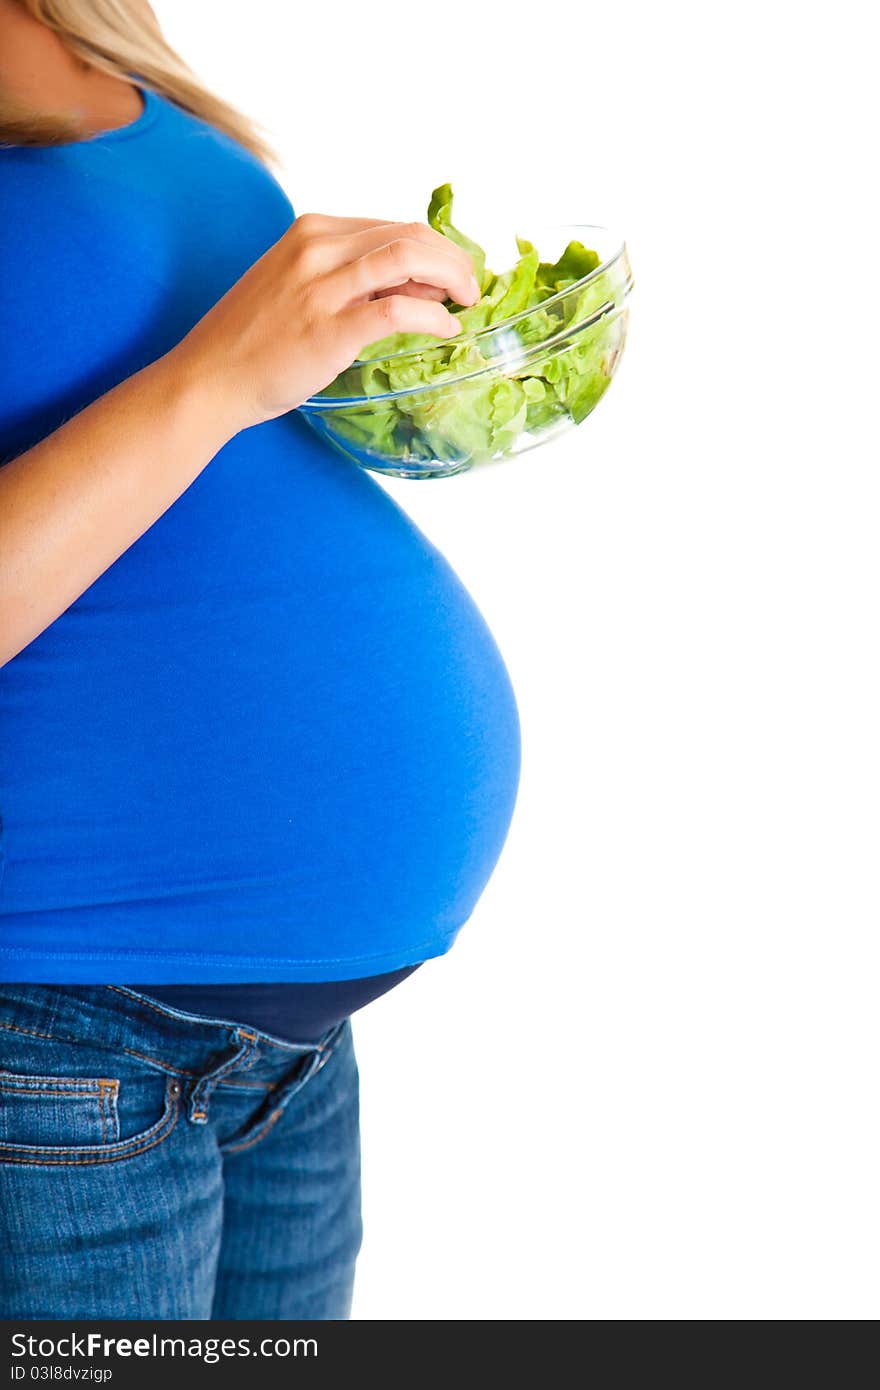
(210, 156)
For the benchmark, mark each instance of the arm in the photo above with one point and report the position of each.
(72, 504)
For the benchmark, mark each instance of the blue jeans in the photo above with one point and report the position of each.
(158, 1164)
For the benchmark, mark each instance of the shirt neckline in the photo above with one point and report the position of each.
(151, 107)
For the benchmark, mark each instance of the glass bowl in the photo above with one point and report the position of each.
(492, 393)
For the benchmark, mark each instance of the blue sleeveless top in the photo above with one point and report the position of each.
(276, 739)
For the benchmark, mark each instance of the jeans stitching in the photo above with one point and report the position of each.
(160, 1062)
(49, 1090)
(251, 1058)
(82, 1042)
(255, 1138)
(157, 1132)
(248, 1085)
(32, 1033)
(147, 1003)
(102, 1104)
(79, 1042)
(109, 1112)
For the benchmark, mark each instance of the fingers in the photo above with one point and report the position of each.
(328, 242)
(360, 242)
(396, 313)
(416, 289)
(394, 264)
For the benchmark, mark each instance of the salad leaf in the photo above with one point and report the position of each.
(440, 218)
(575, 262)
(540, 355)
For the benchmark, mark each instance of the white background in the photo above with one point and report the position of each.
(644, 1082)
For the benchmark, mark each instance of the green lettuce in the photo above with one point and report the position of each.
(550, 358)
(440, 218)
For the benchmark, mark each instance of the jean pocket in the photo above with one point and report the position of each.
(69, 1120)
(37, 1110)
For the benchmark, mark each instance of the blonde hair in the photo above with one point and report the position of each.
(121, 38)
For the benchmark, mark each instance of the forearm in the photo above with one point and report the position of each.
(75, 502)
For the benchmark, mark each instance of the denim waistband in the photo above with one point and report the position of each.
(196, 1053)
(114, 1016)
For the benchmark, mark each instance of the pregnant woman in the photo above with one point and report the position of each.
(259, 752)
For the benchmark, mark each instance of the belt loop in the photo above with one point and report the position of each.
(197, 1111)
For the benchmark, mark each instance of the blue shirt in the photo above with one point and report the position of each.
(276, 739)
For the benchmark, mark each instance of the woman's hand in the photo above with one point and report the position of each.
(307, 307)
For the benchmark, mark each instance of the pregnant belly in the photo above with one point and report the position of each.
(321, 769)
